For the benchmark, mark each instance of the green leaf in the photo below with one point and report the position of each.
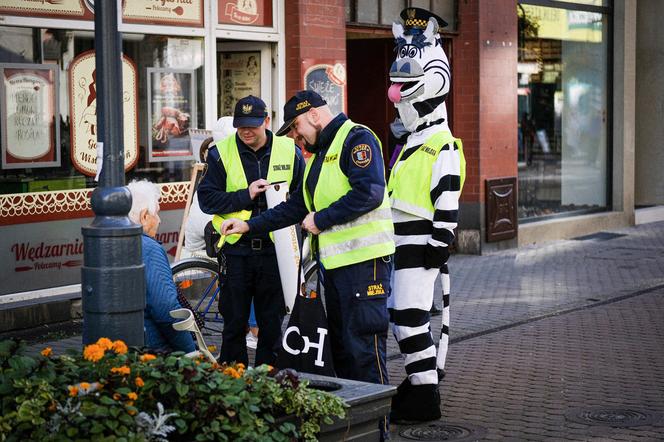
(182, 389)
(105, 400)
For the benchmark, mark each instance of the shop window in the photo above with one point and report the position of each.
(167, 97)
(563, 109)
(385, 12)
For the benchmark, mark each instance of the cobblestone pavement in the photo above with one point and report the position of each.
(544, 335)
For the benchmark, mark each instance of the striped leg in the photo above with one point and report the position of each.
(443, 343)
(409, 312)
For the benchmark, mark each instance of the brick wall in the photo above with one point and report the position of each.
(314, 29)
(484, 88)
(465, 89)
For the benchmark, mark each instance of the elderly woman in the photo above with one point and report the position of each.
(161, 293)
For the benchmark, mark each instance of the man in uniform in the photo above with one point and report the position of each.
(239, 170)
(344, 206)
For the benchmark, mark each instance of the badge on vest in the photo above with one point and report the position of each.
(375, 289)
(361, 155)
(428, 150)
(278, 167)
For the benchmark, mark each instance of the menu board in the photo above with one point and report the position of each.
(171, 112)
(83, 102)
(240, 75)
(30, 135)
(328, 80)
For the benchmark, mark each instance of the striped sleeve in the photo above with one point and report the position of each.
(445, 192)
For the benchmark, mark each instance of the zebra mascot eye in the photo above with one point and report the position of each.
(403, 52)
(412, 52)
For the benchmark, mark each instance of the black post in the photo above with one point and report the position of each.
(112, 278)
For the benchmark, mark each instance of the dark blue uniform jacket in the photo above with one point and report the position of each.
(366, 175)
(214, 199)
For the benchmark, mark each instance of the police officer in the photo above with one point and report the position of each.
(239, 170)
(343, 204)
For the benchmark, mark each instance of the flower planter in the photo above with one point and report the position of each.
(367, 404)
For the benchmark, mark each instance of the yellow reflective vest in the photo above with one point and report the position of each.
(280, 168)
(369, 236)
(410, 183)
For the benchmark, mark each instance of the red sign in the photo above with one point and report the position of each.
(245, 12)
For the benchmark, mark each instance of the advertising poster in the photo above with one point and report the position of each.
(328, 80)
(30, 135)
(151, 12)
(240, 75)
(83, 102)
(171, 112)
(245, 12)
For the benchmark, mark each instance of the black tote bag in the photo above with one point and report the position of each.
(305, 345)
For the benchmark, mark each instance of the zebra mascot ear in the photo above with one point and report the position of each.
(431, 30)
(397, 30)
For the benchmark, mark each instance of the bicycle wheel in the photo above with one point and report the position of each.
(198, 280)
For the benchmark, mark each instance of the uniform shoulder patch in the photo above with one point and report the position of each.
(361, 155)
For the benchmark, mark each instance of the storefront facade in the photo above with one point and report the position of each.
(543, 96)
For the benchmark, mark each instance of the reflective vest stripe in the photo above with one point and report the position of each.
(280, 168)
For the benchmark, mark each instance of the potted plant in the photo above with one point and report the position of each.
(110, 392)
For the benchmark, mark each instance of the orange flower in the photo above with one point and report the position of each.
(93, 352)
(129, 403)
(73, 391)
(230, 371)
(240, 365)
(105, 343)
(119, 347)
(147, 357)
(139, 382)
(84, 385)
(131, 412)
(131, 395)
(116, 396)
(124, 370)
(47, 352)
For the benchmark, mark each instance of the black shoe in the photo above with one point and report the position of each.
(441, 374)
(435, 311)
(415, 403)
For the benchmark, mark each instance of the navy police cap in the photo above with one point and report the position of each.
(249, 112)
(415, 20)
(298, 104)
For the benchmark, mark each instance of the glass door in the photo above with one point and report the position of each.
(243, 68)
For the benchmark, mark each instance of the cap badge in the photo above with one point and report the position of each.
(410, 13)
(246, 108)
(302, 105)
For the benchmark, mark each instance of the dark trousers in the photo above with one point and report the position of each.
(356, 301)
(253, 276)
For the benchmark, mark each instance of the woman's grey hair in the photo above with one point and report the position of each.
(144, 195)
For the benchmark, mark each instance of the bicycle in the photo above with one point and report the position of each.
(198, 280)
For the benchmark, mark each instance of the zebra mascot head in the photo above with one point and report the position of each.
(420, 75)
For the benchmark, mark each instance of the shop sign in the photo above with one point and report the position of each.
(50, 254)
(169, 12)
(328, 79)
(171, 112)
(28, 96)
(569, 25)
(239, 74)
(71, 9)
(245, 12)
(83, 102)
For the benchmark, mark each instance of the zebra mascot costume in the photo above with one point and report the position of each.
(425, 185)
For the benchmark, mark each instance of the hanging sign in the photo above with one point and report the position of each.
(71, 9)
(169, 12)
(28, 97)
(83, 102)
(245, 12)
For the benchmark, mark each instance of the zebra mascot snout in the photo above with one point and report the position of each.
(424, 187)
